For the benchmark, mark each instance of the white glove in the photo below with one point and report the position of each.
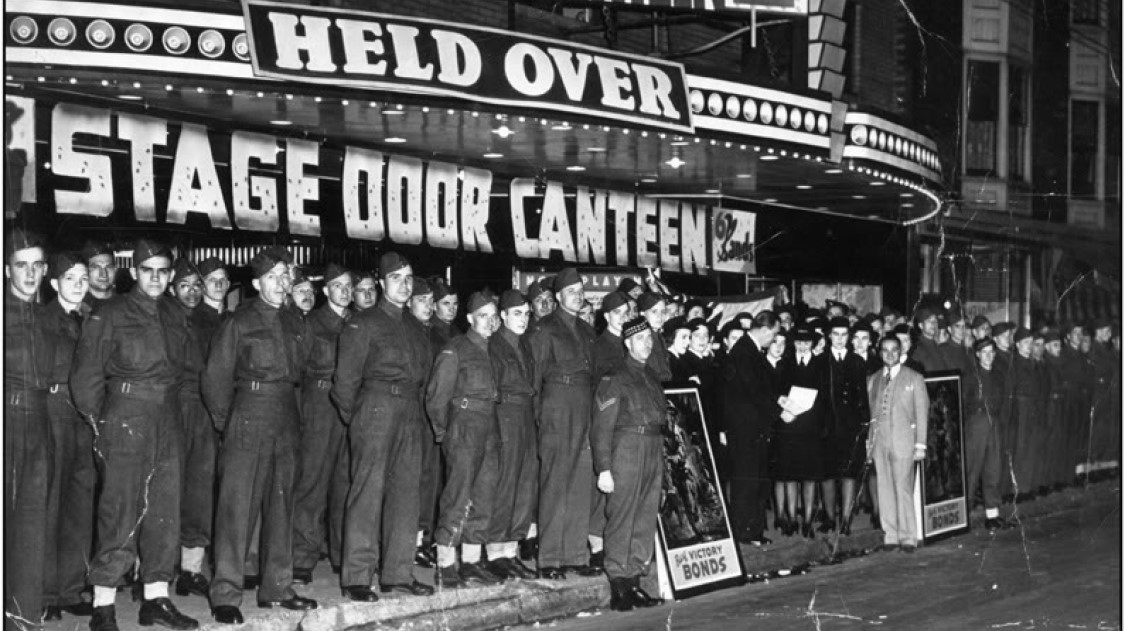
(787, 416)
(605, 482)
(723, 438)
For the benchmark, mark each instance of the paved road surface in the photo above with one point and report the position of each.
(1060, 571)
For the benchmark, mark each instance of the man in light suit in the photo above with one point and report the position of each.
(896, 440)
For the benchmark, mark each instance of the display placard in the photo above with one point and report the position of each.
(941, 496)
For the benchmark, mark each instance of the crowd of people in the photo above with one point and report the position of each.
(158, 438)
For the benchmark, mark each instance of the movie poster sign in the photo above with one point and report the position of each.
(733, 241)
(696, 539)
(942, 497)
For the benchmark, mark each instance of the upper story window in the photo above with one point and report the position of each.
(1086, 11)
(1083, 148)
(1018, 123)
(982, 85)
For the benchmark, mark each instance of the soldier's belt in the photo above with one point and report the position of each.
(59, 388)
(265, 387)
(516, 399)
(319, 384)
(479, 405)
(577, 379)
(404, 390)
(157, 392)
(646, 430)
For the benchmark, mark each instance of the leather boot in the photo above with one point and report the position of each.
(620, 598)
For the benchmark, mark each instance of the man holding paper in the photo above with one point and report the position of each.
(900, 409)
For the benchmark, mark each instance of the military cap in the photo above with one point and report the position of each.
(512, 298)
(182, 269)
(982, 344)
(613, 300)
(62, 262)
(332, 272)
(888, 311)
(633, 327)
(1021, 335)
(479, 299)
(1100, 323)
(627, 285)
(1001, 328)
(441, 290)
(391, 262)
(979, 321)
(145, 249)
(361, 275)
(648, 300)
(209, 265)
(96, 248)
(813, 314)
(420, 287)
(828, 304)
(838, 323)
(784, 309)
(955, 317)
(566, 278)
(537, 288)
(265, 260)
(299, 277)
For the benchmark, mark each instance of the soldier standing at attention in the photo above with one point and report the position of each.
(629, 458)
(216, 284)
(126, 381)
(445, 312)
(654, 310)
(102, 268)
(513, 509)
(461, 403)
(563, 349)
(322, 481)
(29, 355)
(250, 387)
(301, 291)
(382, 363)
(364, 290)
(421, 306)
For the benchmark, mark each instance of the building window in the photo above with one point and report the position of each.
(983, 96)
(1017, 123)
(1086, 12)
(1083, 148)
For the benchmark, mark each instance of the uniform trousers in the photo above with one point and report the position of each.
(381, 519)
(70, 502)
(1055, 447)
(27, 453)
(472, 453)
(1027, 413)
(514, 503)
(138, 444)
(631, 510)
(566, 472)
(982, 453)
(895, 481)
(430, 483)
(257, 469)
(321, 491)
(199, 460)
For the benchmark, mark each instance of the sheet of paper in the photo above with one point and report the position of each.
(801, 399)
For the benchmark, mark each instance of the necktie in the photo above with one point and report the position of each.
(887, 378)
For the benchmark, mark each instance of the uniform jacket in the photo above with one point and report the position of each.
(562, 345)
(512, 364)
(441, 332)
(29, 345)
(929, 355)
(660, 360)
(65, 329)
(196, 350)
(462, 370)
(609, 353)
(324, 328)
(986, 394)
(629, 396)
(907, 420)
(959, 357)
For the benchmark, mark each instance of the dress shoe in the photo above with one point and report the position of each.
(424, 557)
(51, 613)
(293, 603)
(302, 575)
(597, 560)
(161, 611)
(529, 548)
(993, 524)
(846, 529)
(188, 583)
(908, 548)
(640, 598)
(476, 573)
(620, 597)
(875, 523)
(890, 547)
(360, 594)
(510, 568)
(448, 578)
(227, 614)
(552, 573)
(413, 588)
(584, 570)
(83, 609)
(251, 581)
(103, 619)
(827, 525)
(807, 530)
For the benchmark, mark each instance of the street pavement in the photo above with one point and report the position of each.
(1059, 570)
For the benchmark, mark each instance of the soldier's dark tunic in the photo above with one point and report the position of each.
(29, 355)
(627, 441)
(849, 415)
(322, 478)
(70, 515)
(513, 509)
(250, 388)
(126, 375)
(1028, 386)
(1055, 456)
(199, 448)
(1077, 376)
(1106, 399)
(660, 361)
(382, 364)
(562, 346)
(461, 402)
(985, 393)
(928, 353)
(959, 357)
(609, 355)
(439, 333)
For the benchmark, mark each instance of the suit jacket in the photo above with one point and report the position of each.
(749, 402)
(909, 406)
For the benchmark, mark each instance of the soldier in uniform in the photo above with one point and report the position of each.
(364, 290)
(985, 404)
(102, 267)
(70, 508)
(626, 437)
(653, 309)
(927, 352)
(461, 403)
(216, 284)
(1026, 383)
(562, 346)
(126, 381)
(542, 300)
(199, 445)
(322, 480)
(383, 361)
(513, 509)
(421, 306)
(1106, 395)
(250, 387)
(1076, 375)
(29, 356)
(302, 292)
(445, 312)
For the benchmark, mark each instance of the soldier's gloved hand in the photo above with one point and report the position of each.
(605, 482)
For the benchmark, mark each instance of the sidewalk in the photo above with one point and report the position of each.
(525, 602)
